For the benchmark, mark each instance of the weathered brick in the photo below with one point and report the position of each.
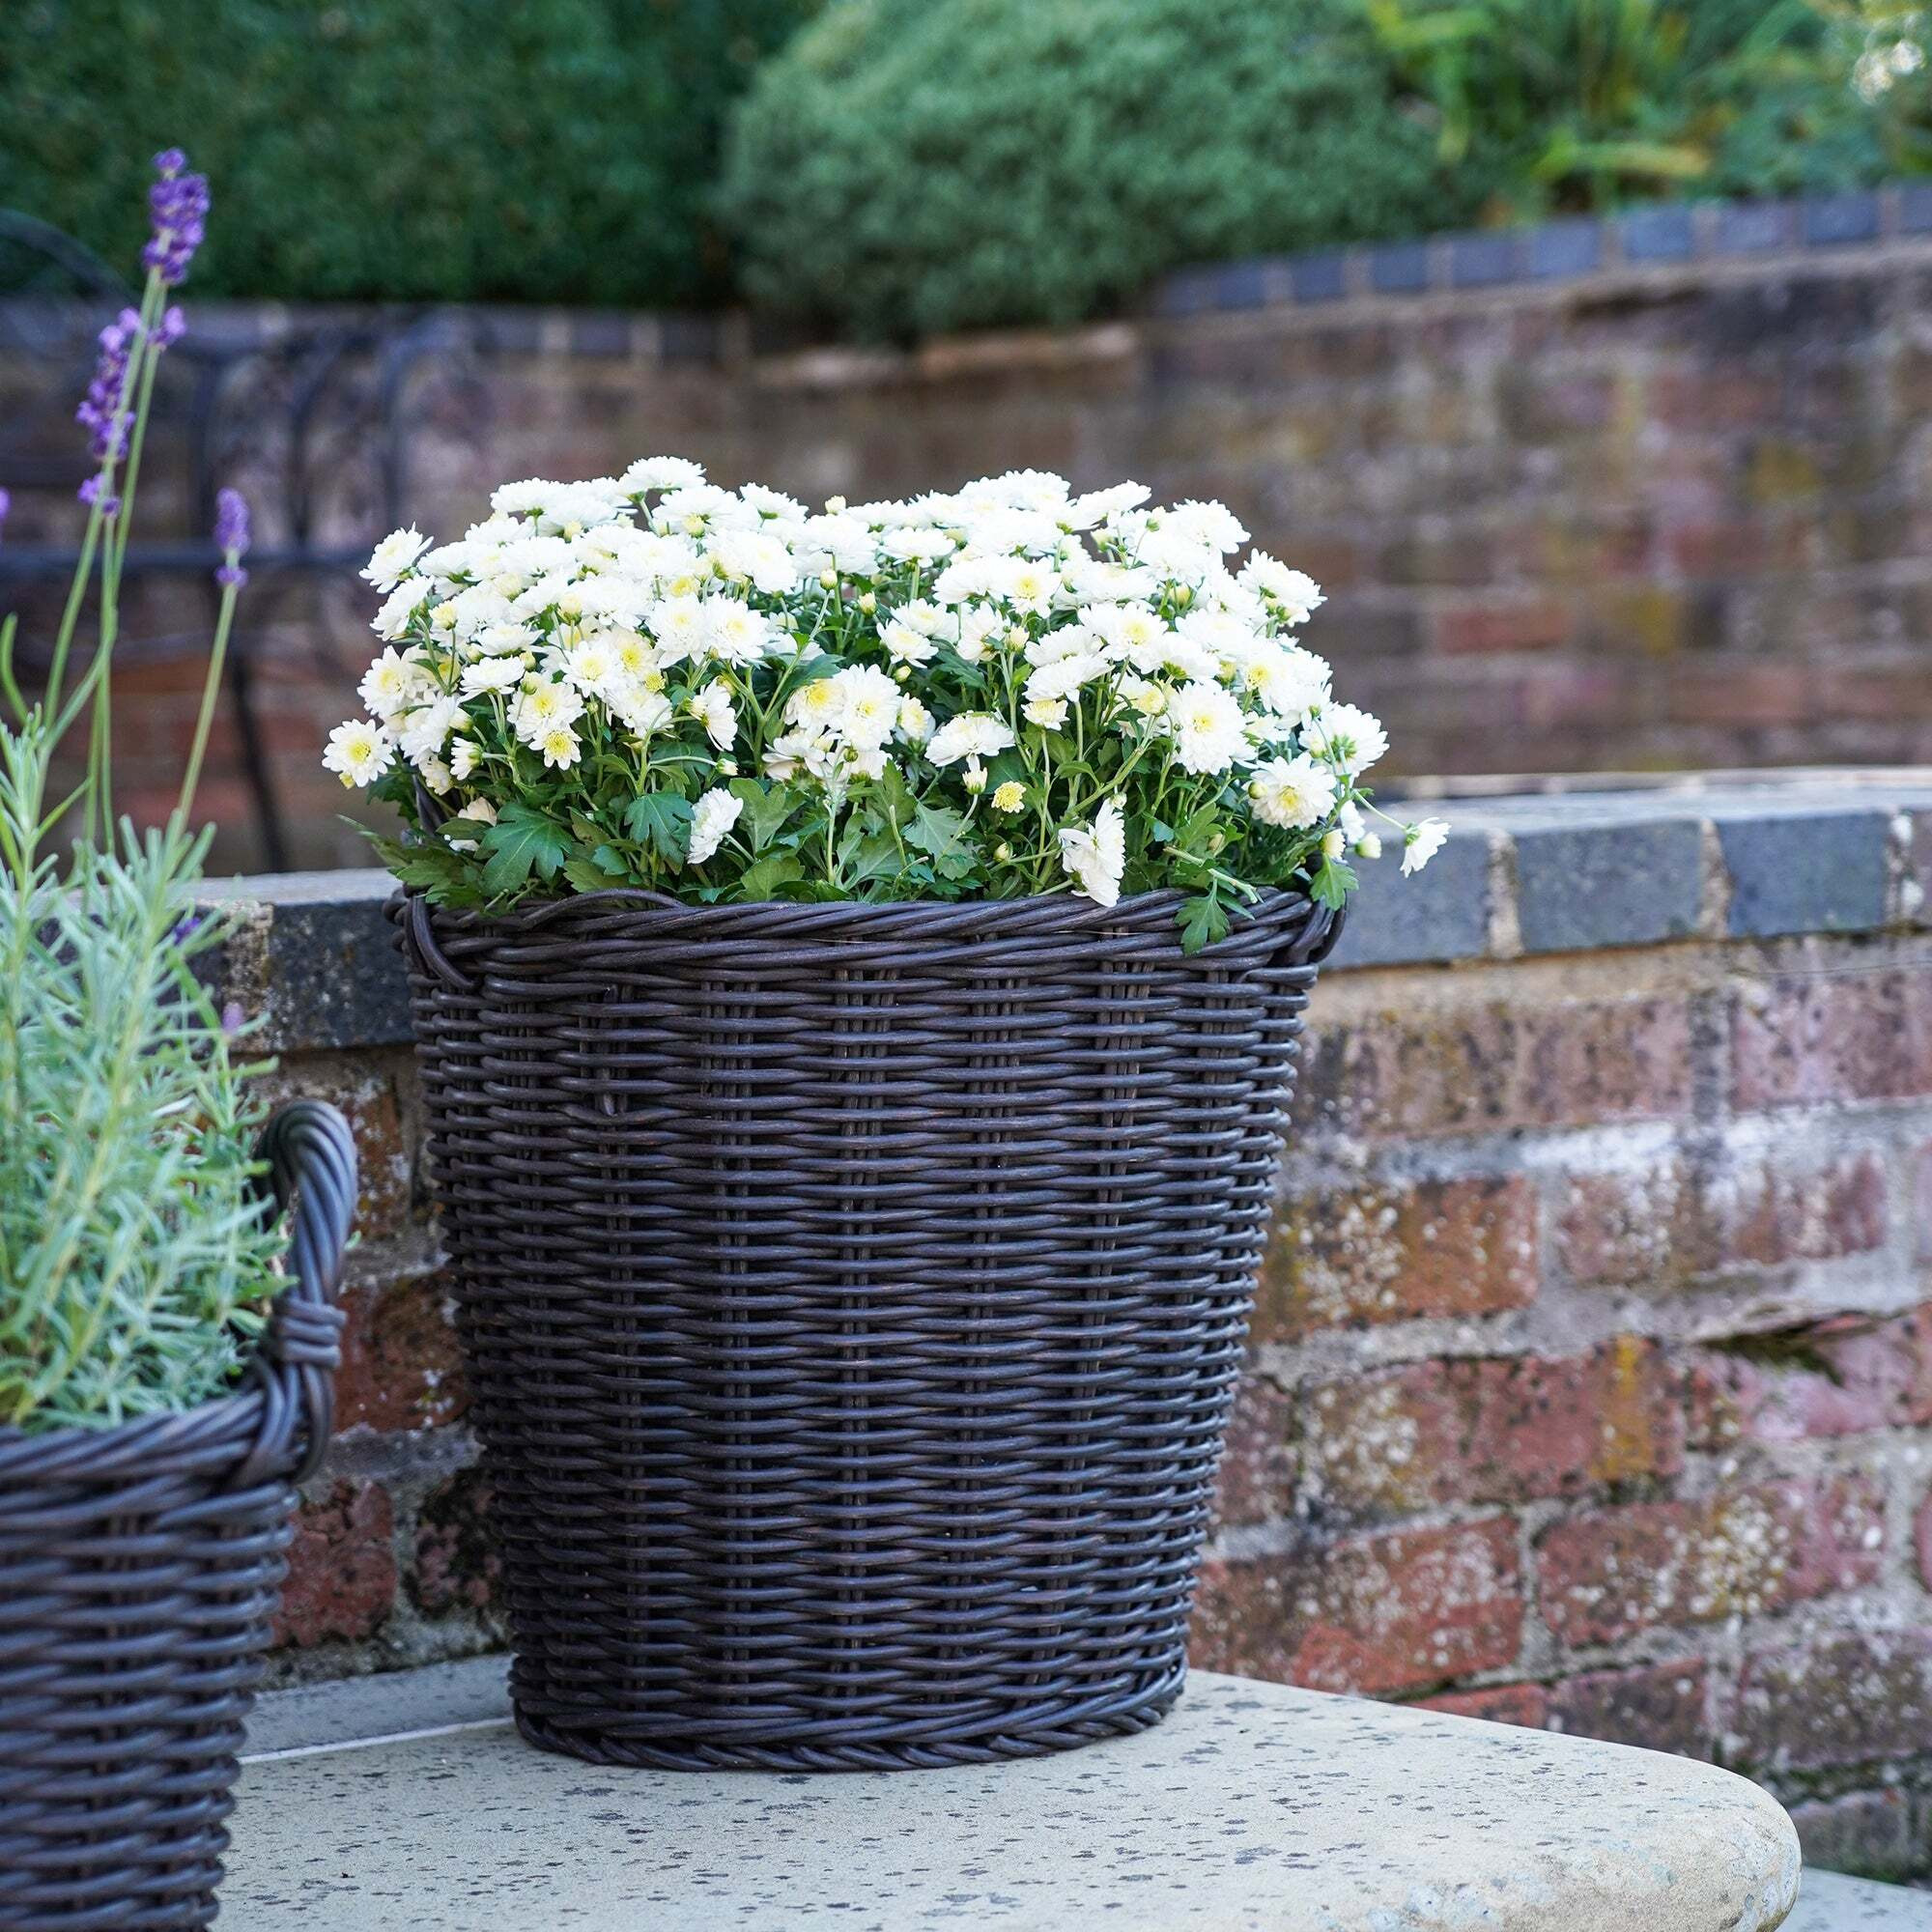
(1499, 1064)
(1609, 1575)
(1843, 1376)
(342, 1566)
(1660, 1706)
(401, 1366)
(1661, 1226)
(1539, 624)
(1376, 1614)
(1389, 1253)
(1855, 1697)
(1809, 1038)
(371, 1101)
(1526, 1705)
(1865, 1832)
(454, 1565)
(1258, 1465)
(1494, 1431)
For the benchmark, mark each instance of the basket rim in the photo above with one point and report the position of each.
(1068, 912)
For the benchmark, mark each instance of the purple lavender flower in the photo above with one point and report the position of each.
(91, 493)
(231, 537)
(178, 210)
(171, 328)
(5, 504)
(100, 411)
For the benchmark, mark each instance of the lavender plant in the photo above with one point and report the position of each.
(135, 1260)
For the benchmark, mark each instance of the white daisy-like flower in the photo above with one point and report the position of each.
(1294, 592)
(972, 734)
(1347, 734)
(491, 674)
(711, 818)
(560, 748)
(392, 621)
(1290, 681)
(660, 472)
(392, 556)
(1209, 731)
(1048, 713)
(1096, 855)
(544, 706)
(465, 755)
(915, 724)
(868, 709)
(641, 710)
(1421, 842)
(359, 752)
(735, 633)
(713, 709)
(392, 681)
(1291, 792)
(906, 645)
(425, 729)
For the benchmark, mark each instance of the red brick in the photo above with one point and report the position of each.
(1539, 624)
(1833, 1036)
(1921, 1538)
(1609, 1575)
(1496, 1066)
(342, 1566)
(1840, 1377)
(1852, 1698)
(454, 1564)
(1257, 1467)
(401, 1366)
(1376, 1614)
(1660, 1706)
(1390, 1253)
(1494, 1430)
(371, 1103)
(1526, 1705)
(1921, 1202)
(1668, 1224)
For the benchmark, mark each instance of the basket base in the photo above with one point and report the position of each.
(826, 1750)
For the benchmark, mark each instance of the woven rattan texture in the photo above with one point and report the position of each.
(139, 1572)
(853, 1298)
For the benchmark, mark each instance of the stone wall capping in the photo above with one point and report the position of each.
(1557, 871)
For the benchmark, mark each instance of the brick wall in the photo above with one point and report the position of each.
(1592, 1370)
(1639, 494)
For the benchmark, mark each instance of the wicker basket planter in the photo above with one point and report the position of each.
(139, 1567)
(853, 1298)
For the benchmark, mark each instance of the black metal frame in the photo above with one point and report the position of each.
(292, 417)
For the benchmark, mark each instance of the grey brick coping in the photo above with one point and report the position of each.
(1550, 872)
(1253, 1804)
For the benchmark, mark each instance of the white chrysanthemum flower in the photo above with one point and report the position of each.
(425, 729)
(465, 755)
(1062, 677)
(905, 645)
(660, 472)
(1291, 792)
(1421, 842)
(504, 639)
(680, 627)
(1294, 592)
(391, 682)
(1025, 584)
(491, 674)
(590, 666)
(917, 546)
(544, 706)
(713, 709)
(972, 734)
(977, 627)
(1098, 505)
(560, 748)
(392, 620)
(817, 706)
(735, 633)
(1048, 713)
(915, 724)
(359, 752)
(392, 556)
(756, 557)
(711, 818)
(1009, 796)
(803, 748)
(640, 708)
(1095, 858)
(869, 708)
(437, 777)
(1208, 730)
(1348, 735)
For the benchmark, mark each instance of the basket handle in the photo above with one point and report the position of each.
(311, 1159)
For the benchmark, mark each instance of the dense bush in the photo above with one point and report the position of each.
(548, 151)
(905, 167)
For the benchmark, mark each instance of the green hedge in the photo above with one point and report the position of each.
(907, 166)
(556, 150)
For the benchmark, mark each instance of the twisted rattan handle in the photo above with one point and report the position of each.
(311, 1159)
(1316, 939)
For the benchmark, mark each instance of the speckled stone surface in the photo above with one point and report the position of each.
(1254, 1806)
(1829, 1903)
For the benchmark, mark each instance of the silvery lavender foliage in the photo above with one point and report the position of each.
(178, 209)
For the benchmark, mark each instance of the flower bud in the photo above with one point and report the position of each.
(834, 504)
(1333, 844)
(1002, 851)
(1369, 845)
(976, 777)
(828, 580)
(869, 603)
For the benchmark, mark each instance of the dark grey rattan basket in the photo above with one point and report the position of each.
(139, 1567)
(853, 1298)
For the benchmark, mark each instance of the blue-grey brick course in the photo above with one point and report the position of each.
(1804, 871)
(1584, 885)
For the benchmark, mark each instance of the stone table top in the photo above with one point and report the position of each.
(1254, 1806)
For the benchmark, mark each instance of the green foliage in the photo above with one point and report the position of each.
(548, 151)
(135, 1259)
(904, 168)
(1588, 103)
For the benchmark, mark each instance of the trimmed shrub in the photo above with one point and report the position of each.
(549, 150)
(905, 167)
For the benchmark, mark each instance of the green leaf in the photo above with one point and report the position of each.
(521, 841)
(762, 878)
(864, 856)
(766, 810)
(1332, 883)
(935, 829)
(1202, 922)
(431, 867)
(595, 871)
(662, 821)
